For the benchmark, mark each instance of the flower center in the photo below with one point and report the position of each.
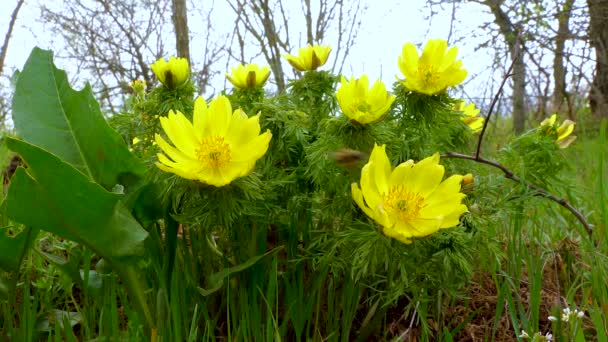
(402, 204)
(429, 74)
(363, 106)
(359, 105)
(214, 153)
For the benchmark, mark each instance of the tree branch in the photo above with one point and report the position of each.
(540, 191)
(492, 105)
(11, 25)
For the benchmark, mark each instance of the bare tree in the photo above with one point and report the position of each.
(598, 34)
(4, 107)
(512, 34)
(180, 23)
(269, 24)
(534, 32)
(113, 42)
(560, 95)
(9, 32)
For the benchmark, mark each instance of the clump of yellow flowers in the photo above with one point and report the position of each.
(432, 72)
(411, 200)
(309, 58)
(172, 73)
(361, 104)
(470, 117)
(562, 133)
(217, 147)
(248, 76)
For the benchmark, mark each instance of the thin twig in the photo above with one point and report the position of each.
(452, 19)
(540, 191)
(491, 109)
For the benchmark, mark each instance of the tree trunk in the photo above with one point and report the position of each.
(519, 87)
(180, 22)
(516, 48)
(559, 99)
(598, 33)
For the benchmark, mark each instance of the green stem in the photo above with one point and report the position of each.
(135, 291)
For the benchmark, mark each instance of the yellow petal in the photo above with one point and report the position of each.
(380, 168)
(370, 190)
(199, 117)
(358, 197)
(159, 67)
(565, 129)
(400, 235)
(453, 219)
(549, 121)
(448, 187)
(442, 206)
(252, 150)
(171, 151)
(423, 227)
(219, 115)
(425, 175)
(566, 141)
(401, 173)
(175, 171)
(174, 133)
(242, 128)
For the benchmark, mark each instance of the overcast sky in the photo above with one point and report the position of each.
(384, 30)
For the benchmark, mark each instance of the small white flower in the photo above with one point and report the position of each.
(524, 334)
(552, 318)
(566, 314)
(549, 336)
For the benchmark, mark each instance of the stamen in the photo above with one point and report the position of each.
(429, 74)
(401, 203)
(214, 153)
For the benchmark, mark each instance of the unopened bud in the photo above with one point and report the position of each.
(138, 86)
(347, 157)
(468, 182)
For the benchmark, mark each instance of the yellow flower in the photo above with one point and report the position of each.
(173, 73)
(138, 86)
(216, 148)
(309, 58)
(563, 137)
(136, 141)
(411, 200)
(362, 105)
(470, 117)
(248, 76)
(432, 72)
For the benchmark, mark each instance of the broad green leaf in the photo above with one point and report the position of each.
(48, 113)
(64, 318)
(53, 196)
(216, 280)
(12, 248)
